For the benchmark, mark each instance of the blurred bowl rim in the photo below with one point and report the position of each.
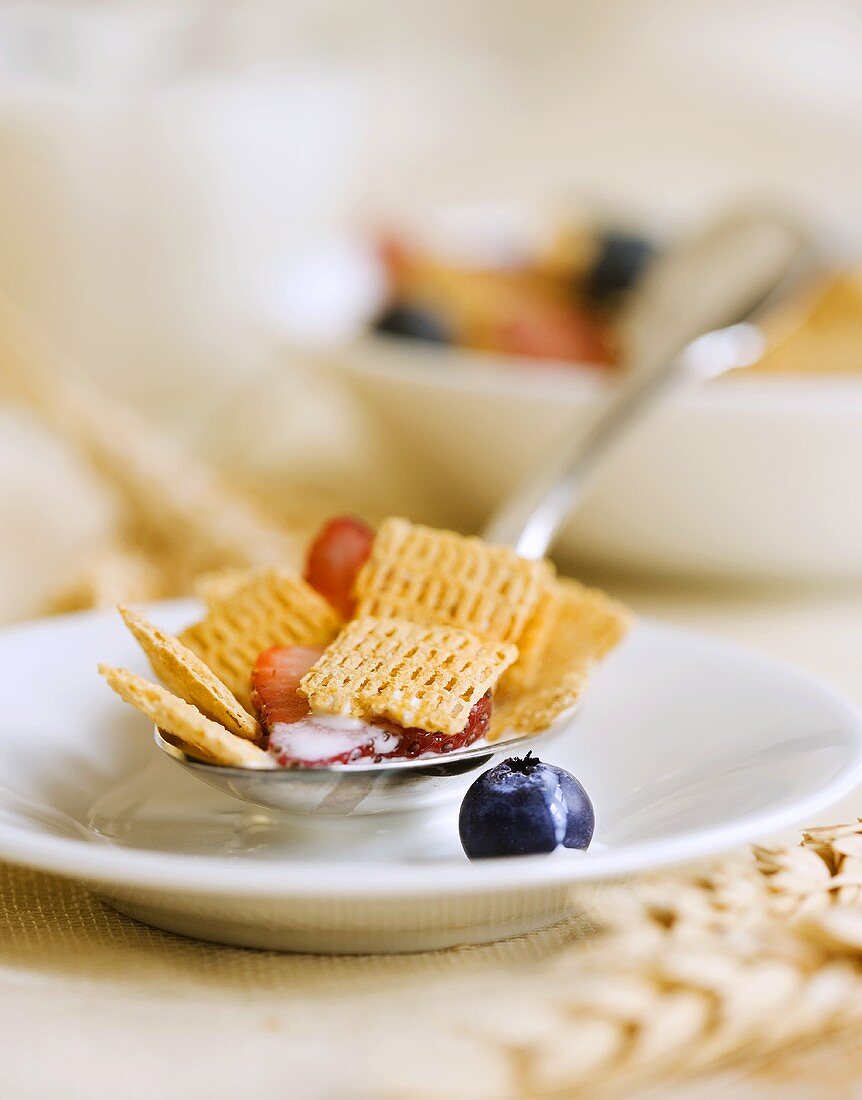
(471, 371)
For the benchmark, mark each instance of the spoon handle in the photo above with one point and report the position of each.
(685, 327)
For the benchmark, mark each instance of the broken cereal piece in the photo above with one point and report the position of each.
(199, 734)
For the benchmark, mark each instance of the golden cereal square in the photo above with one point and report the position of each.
(533, 643)
(428, 677)
(441, 578)
(590, 624)
(218, 584)
(186, 675)
(200, 735)
(587, 625)
(274, 607)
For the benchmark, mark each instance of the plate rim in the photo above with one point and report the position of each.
(108, 865)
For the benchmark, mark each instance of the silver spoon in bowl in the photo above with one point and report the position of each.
(694, 318)
(345, 790)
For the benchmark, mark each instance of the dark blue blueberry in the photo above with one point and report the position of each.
(621, 259)
(415, 322)
(524, 807)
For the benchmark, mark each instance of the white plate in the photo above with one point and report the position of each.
(687, 746)
(743, 479)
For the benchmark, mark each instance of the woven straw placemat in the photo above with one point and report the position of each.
(691, 983)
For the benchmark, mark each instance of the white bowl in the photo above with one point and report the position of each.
(749, 478)
(686, 746)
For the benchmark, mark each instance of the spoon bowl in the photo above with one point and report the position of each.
(352, 790)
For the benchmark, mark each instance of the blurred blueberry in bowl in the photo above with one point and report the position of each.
(415, 322)
(621, 259)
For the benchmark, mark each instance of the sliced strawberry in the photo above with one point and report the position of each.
(274, 681)
(397, 257)
(416, 742)
(542, 328)
(335, 557)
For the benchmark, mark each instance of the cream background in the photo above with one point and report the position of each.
(159, 164)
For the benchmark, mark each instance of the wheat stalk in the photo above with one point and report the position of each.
(113, 574)
(173, 507)
(819, 885)
(690, 972)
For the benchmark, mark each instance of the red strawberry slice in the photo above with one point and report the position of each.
(274, 681)
(416, 742)
(545, 329)
(300, 739)
(335, 557)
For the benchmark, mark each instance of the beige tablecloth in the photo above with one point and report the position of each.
(93, 1005)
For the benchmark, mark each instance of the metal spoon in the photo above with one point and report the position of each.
(694, 318)
(345, 790)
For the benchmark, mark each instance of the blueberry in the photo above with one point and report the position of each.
(620, 261)
(415, 322)
(523, 807)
